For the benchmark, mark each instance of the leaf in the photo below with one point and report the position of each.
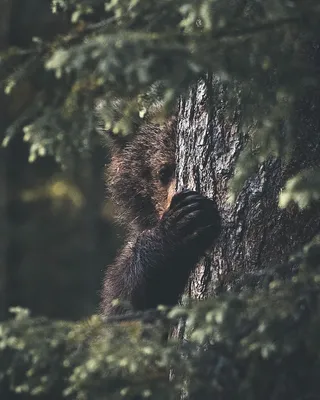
(302, 189)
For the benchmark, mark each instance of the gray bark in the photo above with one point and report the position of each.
(256, 233)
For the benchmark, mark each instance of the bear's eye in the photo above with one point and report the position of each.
(166, 174)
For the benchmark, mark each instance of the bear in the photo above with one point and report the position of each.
(166, 232)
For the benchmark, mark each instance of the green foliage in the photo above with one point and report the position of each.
(121, 49)
(30, 352)
(257, 345)
(303, 189)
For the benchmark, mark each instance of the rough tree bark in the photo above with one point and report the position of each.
(256, 233)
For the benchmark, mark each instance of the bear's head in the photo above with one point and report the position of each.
(141, 174)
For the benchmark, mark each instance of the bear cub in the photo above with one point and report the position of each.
(167, 232)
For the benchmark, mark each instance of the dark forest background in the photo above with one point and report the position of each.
(57, 232)
(60, 233)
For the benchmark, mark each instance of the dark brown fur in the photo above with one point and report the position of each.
(166, 234)
(132, 176)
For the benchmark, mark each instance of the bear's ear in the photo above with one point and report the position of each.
(119, 132)
(110, 138)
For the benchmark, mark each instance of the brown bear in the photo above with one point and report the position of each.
(167, 232)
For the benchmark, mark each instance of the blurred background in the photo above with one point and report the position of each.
(59, 233)
(56, 229)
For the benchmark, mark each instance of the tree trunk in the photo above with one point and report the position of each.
(256, 233)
